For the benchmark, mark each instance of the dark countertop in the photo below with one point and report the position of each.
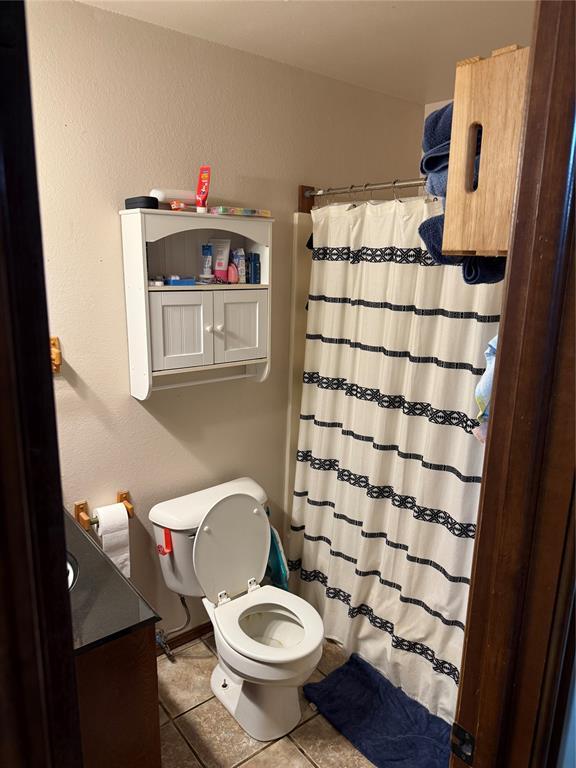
(104, 604)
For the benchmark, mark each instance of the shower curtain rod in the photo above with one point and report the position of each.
(396, 184)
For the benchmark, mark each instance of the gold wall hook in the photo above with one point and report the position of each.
(55, 354)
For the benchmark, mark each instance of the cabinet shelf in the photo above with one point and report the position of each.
(192, 334)
(210, 287)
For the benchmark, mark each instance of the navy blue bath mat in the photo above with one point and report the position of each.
(387, 726)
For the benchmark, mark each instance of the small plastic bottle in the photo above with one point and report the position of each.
(240, 261)
(206, 260)
(232, 273)
(255, 268)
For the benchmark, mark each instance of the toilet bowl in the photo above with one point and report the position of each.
(268, 640)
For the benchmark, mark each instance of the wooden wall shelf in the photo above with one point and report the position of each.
(489, 93)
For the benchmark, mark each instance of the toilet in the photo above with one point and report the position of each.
(214, 544)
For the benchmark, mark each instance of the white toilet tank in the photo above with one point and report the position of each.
(176, 522)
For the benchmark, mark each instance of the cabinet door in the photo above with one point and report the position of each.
(240, 325)
(181, 329)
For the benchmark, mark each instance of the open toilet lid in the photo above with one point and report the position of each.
(232, 546)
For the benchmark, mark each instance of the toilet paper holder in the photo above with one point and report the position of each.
(83, 517)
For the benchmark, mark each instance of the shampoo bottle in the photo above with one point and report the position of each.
(254, 268)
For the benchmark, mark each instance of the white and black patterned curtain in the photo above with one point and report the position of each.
(388, 473)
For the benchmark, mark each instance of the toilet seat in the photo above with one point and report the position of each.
(231, 547)
(229, 615)
(230, 556)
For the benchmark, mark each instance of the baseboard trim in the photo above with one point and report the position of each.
(187, 637)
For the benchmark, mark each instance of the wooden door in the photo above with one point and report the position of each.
(240, 325)
(39, 724)
(181, 329)
(522, 581)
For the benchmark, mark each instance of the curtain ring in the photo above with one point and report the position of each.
(365, 190)
(394, 190)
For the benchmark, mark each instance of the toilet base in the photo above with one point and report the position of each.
(265, 712)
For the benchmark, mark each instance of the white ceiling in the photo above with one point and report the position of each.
(404, 48)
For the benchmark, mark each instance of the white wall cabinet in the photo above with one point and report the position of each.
(191, 328)
(183, 335)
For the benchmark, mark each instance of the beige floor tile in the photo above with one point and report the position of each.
(334, 656)
(210, 642)
(216, 736)
(162, 716)
(305, 708)
(175, 751)
(184, 683)
(282, 754)
(326, 747)
(187, 645)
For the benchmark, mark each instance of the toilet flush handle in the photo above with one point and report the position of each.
(166, 548)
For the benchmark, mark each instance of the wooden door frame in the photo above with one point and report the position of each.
(522, 580)
(39, 723)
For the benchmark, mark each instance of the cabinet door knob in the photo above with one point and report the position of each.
(220, 327)
(208, 329)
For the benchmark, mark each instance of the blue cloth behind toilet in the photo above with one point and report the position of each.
(387, 726)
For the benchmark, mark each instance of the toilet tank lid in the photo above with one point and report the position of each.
(185, 513)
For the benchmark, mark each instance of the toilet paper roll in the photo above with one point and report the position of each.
(112, 528)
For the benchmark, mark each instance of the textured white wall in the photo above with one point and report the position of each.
(121, 106)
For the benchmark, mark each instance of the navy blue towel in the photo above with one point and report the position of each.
(483, 269)
(437, 183)
(387, 726)
(475, 269)
(437, 127)
(436, 140)
(431, 231)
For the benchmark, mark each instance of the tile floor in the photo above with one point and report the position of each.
(197, 732)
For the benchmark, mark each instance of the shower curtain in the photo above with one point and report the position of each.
(388, 473)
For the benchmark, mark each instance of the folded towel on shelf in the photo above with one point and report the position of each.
(387, 726)
(431, 231)
(483, 269)
(475, 269)
(437, 127)
(437, 182)
(436, 159)
(436, 140)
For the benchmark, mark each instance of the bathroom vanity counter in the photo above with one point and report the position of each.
(104, 604)
(114, 642)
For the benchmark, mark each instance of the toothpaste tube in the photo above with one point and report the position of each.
(202, 189)
(221, 254)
